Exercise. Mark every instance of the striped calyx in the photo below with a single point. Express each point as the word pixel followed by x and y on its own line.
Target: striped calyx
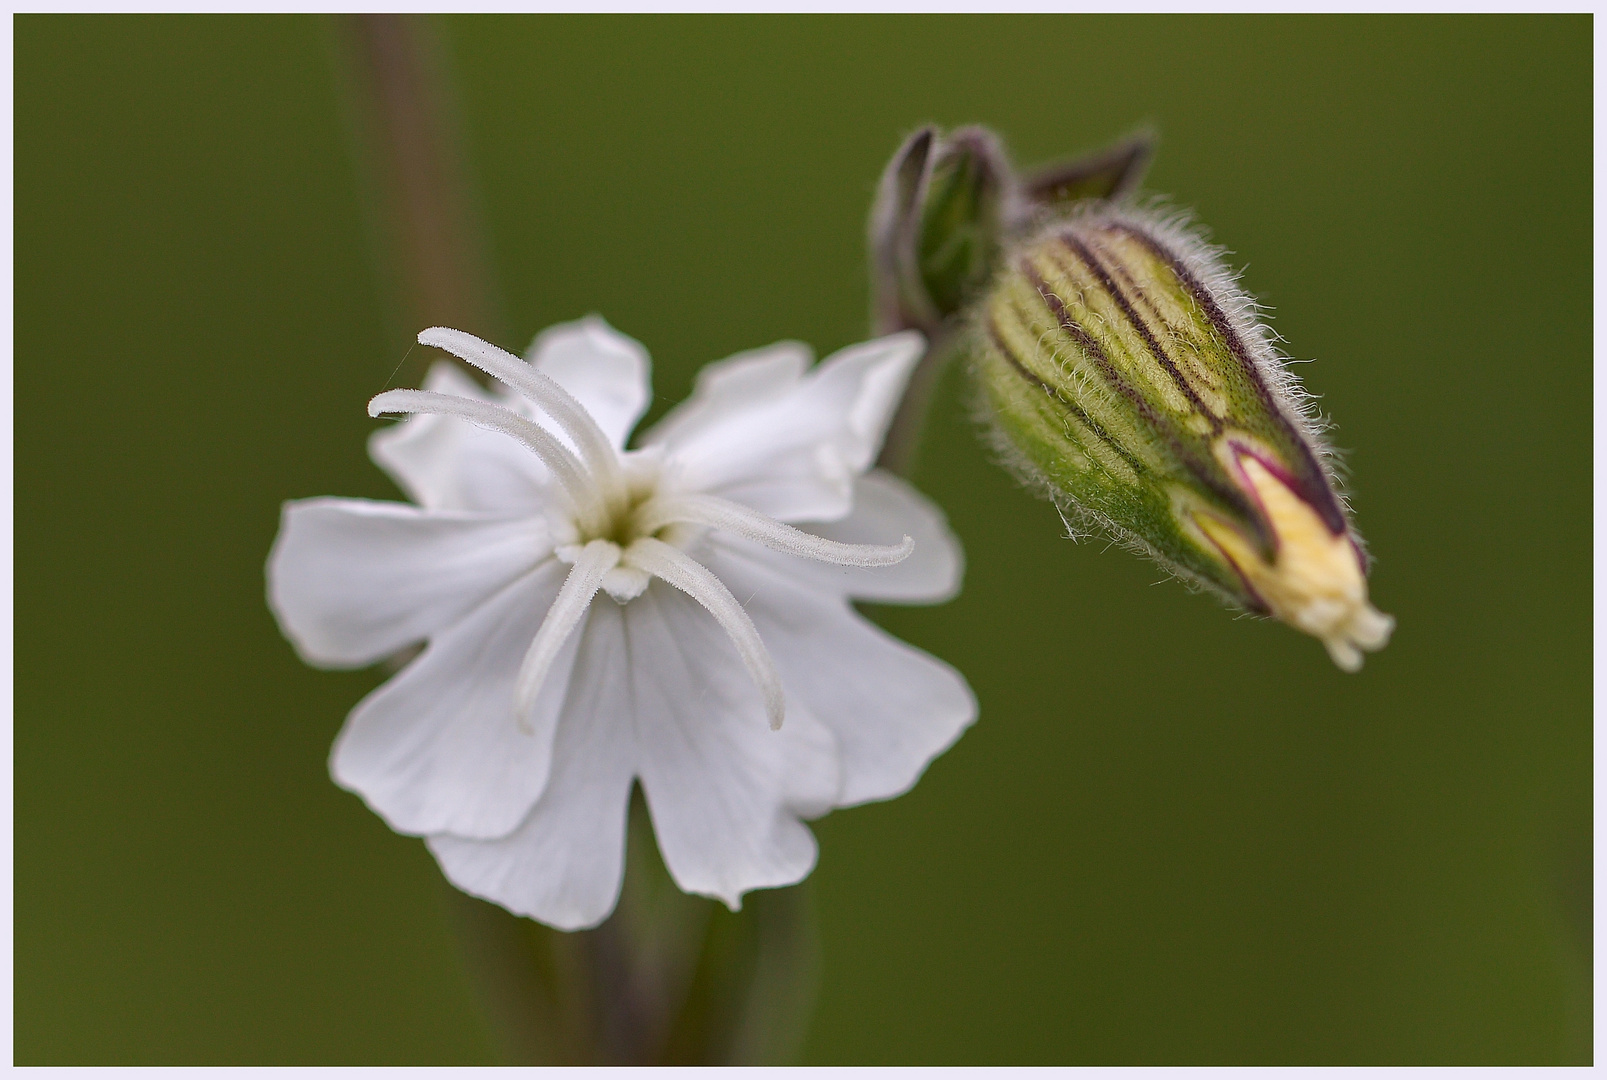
pixel 948 203
pixel 941 212
pixel 1127 376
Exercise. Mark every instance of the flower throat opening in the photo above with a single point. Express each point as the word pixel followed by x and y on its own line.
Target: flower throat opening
pixel 625 531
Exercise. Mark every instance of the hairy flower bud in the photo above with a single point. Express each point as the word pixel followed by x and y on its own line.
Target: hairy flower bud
pixel 940 216
pixel 948 204
pixel 1127 376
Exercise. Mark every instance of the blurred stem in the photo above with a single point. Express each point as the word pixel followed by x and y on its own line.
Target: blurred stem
pixel 426 229
pixel 668 978
pixel 909 421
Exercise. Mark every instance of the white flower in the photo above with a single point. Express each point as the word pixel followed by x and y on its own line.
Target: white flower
pixel 512 742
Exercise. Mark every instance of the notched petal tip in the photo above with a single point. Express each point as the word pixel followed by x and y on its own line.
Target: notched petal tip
pixel 905 345
pixel 1368 630
pixel 1371 628
pixel 1346 657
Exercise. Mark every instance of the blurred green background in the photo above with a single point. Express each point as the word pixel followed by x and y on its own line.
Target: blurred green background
pixel 1172 837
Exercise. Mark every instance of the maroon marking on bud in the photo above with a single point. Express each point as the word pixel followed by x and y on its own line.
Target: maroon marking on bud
pixel 1240 451
pixel 892 234
pixel 1256 604
pixel 1361 556
pixel 1193 462
pixel 1281 474
pixel 1319 496
pixel 1087 343
pixel 1071 406
pixel 1075 245
pixel 1142 326
pixel 1010 358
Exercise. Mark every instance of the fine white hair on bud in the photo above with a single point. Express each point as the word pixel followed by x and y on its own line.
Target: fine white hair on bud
pixel 1125 374
pixel 947 203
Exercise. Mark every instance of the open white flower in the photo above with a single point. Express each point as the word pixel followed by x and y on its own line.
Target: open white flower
pixel 724 668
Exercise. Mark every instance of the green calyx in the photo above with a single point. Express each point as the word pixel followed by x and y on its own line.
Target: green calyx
pixel 949 204
pixel 961 220
pixel 1124 374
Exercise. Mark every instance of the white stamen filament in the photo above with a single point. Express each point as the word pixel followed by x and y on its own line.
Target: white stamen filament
pixel 720 513
pixel 595 560
pixel 595 448
pixel 577 484
pixel 682 571
pixel 594 485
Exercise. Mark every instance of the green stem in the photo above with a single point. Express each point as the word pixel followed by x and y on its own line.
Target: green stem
pixel 899 449
pixel 668 979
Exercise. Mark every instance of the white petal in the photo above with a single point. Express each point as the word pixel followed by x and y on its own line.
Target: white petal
pixel 444 463
pixel 892 707
pixel 563 865
pixel 725 792
pixel 885 508
pixel 606 371
pixel 672 565
pixel 729 386
pixel 794 455
pixel 439 748
pixel 351 581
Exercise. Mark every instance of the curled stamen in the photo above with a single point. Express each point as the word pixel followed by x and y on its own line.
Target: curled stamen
pixel 595 448
pixel 720 513
pixel 571 474
pixel 596 559
pixel 680 570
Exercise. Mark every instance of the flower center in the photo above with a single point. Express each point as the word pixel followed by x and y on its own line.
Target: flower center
pixel 632 518
pixel 615 527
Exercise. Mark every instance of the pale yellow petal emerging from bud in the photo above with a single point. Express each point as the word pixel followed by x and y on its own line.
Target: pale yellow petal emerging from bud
pixel 1315 582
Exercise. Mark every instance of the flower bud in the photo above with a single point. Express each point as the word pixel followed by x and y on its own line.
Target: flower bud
pixel 941 213
pixel 1127 377
pixel 948 204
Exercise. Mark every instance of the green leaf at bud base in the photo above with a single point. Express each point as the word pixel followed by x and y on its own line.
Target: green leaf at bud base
pixel 1113 174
